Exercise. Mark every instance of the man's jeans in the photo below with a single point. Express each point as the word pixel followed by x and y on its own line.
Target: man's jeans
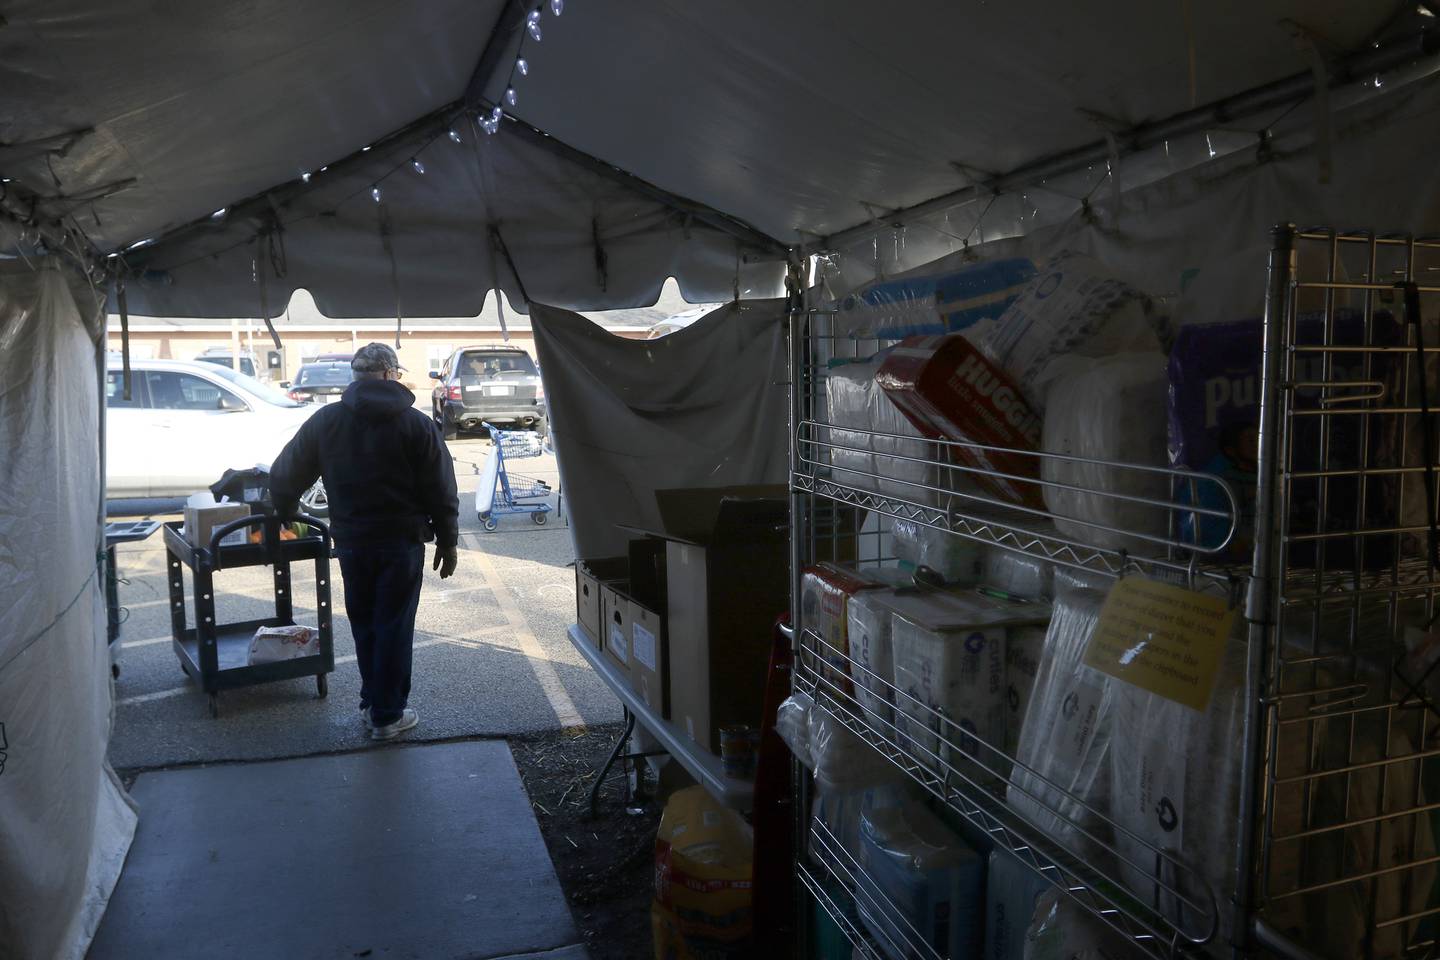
pixel 382 592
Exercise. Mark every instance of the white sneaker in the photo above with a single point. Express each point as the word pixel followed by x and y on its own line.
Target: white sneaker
pixel 365 718
pixel 390 731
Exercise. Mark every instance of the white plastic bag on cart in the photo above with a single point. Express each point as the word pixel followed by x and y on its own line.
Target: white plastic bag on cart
pixel 485 488
pixel 273 644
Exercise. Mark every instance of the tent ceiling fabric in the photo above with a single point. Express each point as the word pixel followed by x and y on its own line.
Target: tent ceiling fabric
pixel 795 116
pixel 799 119
pixel 204 102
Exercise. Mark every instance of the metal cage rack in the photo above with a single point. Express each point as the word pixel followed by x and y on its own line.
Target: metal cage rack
pixel 1334 832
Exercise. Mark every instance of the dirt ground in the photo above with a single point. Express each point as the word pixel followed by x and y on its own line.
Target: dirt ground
pixel 605 864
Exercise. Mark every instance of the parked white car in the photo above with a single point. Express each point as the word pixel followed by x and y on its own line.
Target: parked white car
pixel 186 423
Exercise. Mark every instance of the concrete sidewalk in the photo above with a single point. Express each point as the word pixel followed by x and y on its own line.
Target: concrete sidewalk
pixel 418 851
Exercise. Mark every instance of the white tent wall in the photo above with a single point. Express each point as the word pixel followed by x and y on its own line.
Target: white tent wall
pixel 65 822
pixel 706 406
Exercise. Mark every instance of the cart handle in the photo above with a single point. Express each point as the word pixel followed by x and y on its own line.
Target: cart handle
pixel 271 542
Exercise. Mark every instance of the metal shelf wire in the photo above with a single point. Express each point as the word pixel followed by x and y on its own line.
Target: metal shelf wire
pixel 975 787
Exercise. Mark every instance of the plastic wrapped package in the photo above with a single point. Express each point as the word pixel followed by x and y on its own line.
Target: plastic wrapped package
pixel 1175 787
pixel 1069 579
pixel 1017 574
pixel 1073 306
pixel 1024 646
pixel 956 559
pixel 949 660
pixel 932 303
pixel 1065 736
pixel 856 402
pixel 1060 930
pixel 1012 891
pixel 949 389
pixel 915 866
pixel 825 594
pixel 1108 409
pixel 870 614
pixel 842 760
pixel 839 811
pixel 792 722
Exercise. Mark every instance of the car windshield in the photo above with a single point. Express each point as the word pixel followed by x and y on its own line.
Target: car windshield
pixel 261 391
pixel 506 364
pixel 247 366
pixel 324 375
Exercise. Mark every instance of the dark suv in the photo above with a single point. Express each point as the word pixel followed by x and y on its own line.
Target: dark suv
pixel 499 385
pixel 322 381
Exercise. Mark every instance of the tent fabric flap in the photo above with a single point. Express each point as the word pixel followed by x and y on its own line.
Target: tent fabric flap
pixel 703 407
pixel 65 822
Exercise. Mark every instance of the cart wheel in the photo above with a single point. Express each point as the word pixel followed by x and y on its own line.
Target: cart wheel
pixel 322 686
pixel 539 518
pixel 214 706
pixel 489 523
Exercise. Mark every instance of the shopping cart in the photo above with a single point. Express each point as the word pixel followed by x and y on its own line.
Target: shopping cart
pixel 501 491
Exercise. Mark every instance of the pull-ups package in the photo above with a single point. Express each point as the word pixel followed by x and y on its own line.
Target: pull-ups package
pixel 880 441
pixel 967 297
pixel 929 874
pixel 949 389
pixel 1106 410
pixel 949 656
pixel 1061 778
pixel 1073 306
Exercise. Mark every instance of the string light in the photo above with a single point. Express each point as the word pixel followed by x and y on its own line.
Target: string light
pixel 510 97
pixel 365 149
pixel 454 137
pixel 419 167
pixel 532 24
pixel 557 7
pixel 220 214
pixel 375 193
pixel 305 177
pixel 523 66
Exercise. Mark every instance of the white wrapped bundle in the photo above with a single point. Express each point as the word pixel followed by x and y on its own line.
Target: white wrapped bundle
pixel 1174 784
pixel 956 559
pixel 858 403
pixel 1017 574
pixel 869 620
pixel 1024 646
pixel 1065 737
pixel 1108 409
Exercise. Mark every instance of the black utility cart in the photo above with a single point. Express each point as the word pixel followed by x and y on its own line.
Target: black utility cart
pixel 217 654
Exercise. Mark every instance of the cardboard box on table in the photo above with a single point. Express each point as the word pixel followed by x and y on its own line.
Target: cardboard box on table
pixel 649 639
pixel 726 580
pixel 590 577
pixel 615 622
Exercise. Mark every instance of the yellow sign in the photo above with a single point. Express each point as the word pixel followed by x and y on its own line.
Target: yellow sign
pixel 1161 638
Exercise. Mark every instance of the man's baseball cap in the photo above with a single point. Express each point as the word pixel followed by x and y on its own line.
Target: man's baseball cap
pixel 375 358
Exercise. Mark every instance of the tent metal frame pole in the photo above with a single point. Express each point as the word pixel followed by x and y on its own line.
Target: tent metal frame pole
pixel 1293 89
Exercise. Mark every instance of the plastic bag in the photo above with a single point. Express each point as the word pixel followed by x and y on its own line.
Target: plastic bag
pixel 1059 930
pixel 843 761
pixel 272 644
pixel 792 722
pixel 1108 409
pixel 1017 574
pixel 703 867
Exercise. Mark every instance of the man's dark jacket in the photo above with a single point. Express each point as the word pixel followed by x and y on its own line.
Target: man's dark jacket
pixel 387 472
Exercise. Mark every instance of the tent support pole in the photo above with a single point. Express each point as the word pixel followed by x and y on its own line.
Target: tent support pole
pixel 1293 89
pixel 124 335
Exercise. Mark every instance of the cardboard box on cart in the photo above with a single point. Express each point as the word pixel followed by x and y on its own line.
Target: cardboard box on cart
pixel 726 580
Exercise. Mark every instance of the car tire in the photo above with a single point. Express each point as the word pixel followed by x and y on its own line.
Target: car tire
pixel 448 428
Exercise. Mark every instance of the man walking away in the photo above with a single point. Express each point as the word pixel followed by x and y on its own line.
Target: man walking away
pixel 391 486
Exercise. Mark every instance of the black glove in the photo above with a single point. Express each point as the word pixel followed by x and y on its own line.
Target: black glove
pixel 445 560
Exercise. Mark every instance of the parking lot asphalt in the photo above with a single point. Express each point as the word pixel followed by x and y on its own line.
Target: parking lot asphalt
pixel 491 655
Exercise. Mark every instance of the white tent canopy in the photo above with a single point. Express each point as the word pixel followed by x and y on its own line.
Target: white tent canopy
pixel 649 138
